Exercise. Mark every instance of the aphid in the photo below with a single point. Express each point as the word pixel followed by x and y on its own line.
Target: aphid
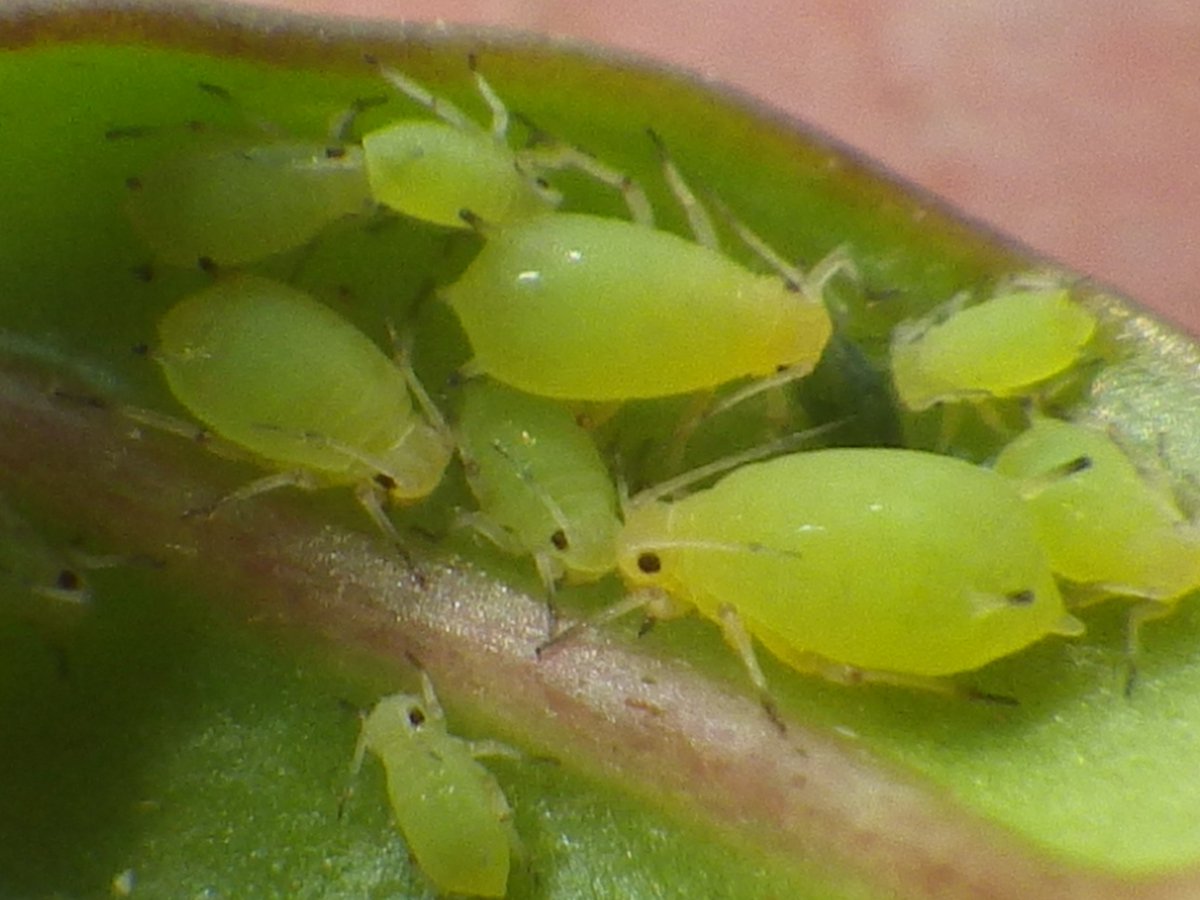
pixel 1006 346
pixel 857 564
pixel 234 204
pixel 269 368
pixel 432 170
pixel 581 307
pixel 542 486
pixel 452 812
pixel 1103 523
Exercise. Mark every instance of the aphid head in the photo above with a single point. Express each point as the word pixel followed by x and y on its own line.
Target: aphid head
pixel 643 546
pixel 397 718
pixel 585 548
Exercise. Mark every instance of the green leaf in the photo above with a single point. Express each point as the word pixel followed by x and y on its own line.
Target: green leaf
pixel 194 725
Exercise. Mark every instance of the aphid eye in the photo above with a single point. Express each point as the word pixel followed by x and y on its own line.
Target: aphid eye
pixel 335 152
pixel 649 563
pixel 387 482
pixel 1021 598
pixel 559 540
pixel 68 580
pixel 416 716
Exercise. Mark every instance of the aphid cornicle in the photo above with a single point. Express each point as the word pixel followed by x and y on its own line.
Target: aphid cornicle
pixel 273 370
pixel 1103 523
pixel 453 814
pixel 1003 347
pixel 234 204
pixel 542 486
pixel 892 565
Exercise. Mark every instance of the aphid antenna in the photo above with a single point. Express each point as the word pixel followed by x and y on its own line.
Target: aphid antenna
pixel 341 128
pixel 492 99
pixel 777 447
pixel 698 218
pixel 630 604
pixel 402 355
pixel 438 106
pixel 527 478
pixel 725 547
pixel 756 387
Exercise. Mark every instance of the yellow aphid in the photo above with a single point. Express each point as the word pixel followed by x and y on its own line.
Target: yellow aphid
pixel 542 486
pixel 271 369
pixel 236 204
pixel 895 565
pixel 581 307
pixel 1003 347
pixel 434 169
pixel 1104 525
pixel 453 814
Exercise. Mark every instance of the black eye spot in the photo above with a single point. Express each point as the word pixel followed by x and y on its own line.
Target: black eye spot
pixel 649 563
pixel 559 540
pixel 335 152
pixel 387 482
pixel 1077 465
pixel 68 580
pixel 416 716
pixel 1021 598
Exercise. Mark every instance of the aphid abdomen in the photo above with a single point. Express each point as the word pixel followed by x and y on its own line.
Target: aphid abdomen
pixel 1102 522
pixel 274 370
pixel 588 308
pixel 888 560
pixel 432 171
pixel 234 204
pixel 445 803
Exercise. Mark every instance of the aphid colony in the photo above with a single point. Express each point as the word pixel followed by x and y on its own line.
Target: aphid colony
pixel 567 313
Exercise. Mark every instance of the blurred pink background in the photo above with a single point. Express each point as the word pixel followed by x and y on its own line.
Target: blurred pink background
pixel 1070 124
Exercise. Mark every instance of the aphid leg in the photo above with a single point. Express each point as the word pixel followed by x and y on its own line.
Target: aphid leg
pixel 438 106
pixel 1146 611
pixel 300 478
pixel 735 634
pixel 549 572
pixel 370 496
pixel 557 155
pixel 186 430
pixel 356 761
pixel 698 218
pixel 853 676
pixel 952 420
pixel 483 749
pixel 433 706
pixel 638 600
pixel 698 409
pixel 492 99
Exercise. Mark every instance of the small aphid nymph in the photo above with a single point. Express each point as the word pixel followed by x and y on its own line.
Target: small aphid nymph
pixel 271 369
pixel 542 486
pixel 1106 526
pixel 434 169
pixel 1006 346
pixel 453 814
